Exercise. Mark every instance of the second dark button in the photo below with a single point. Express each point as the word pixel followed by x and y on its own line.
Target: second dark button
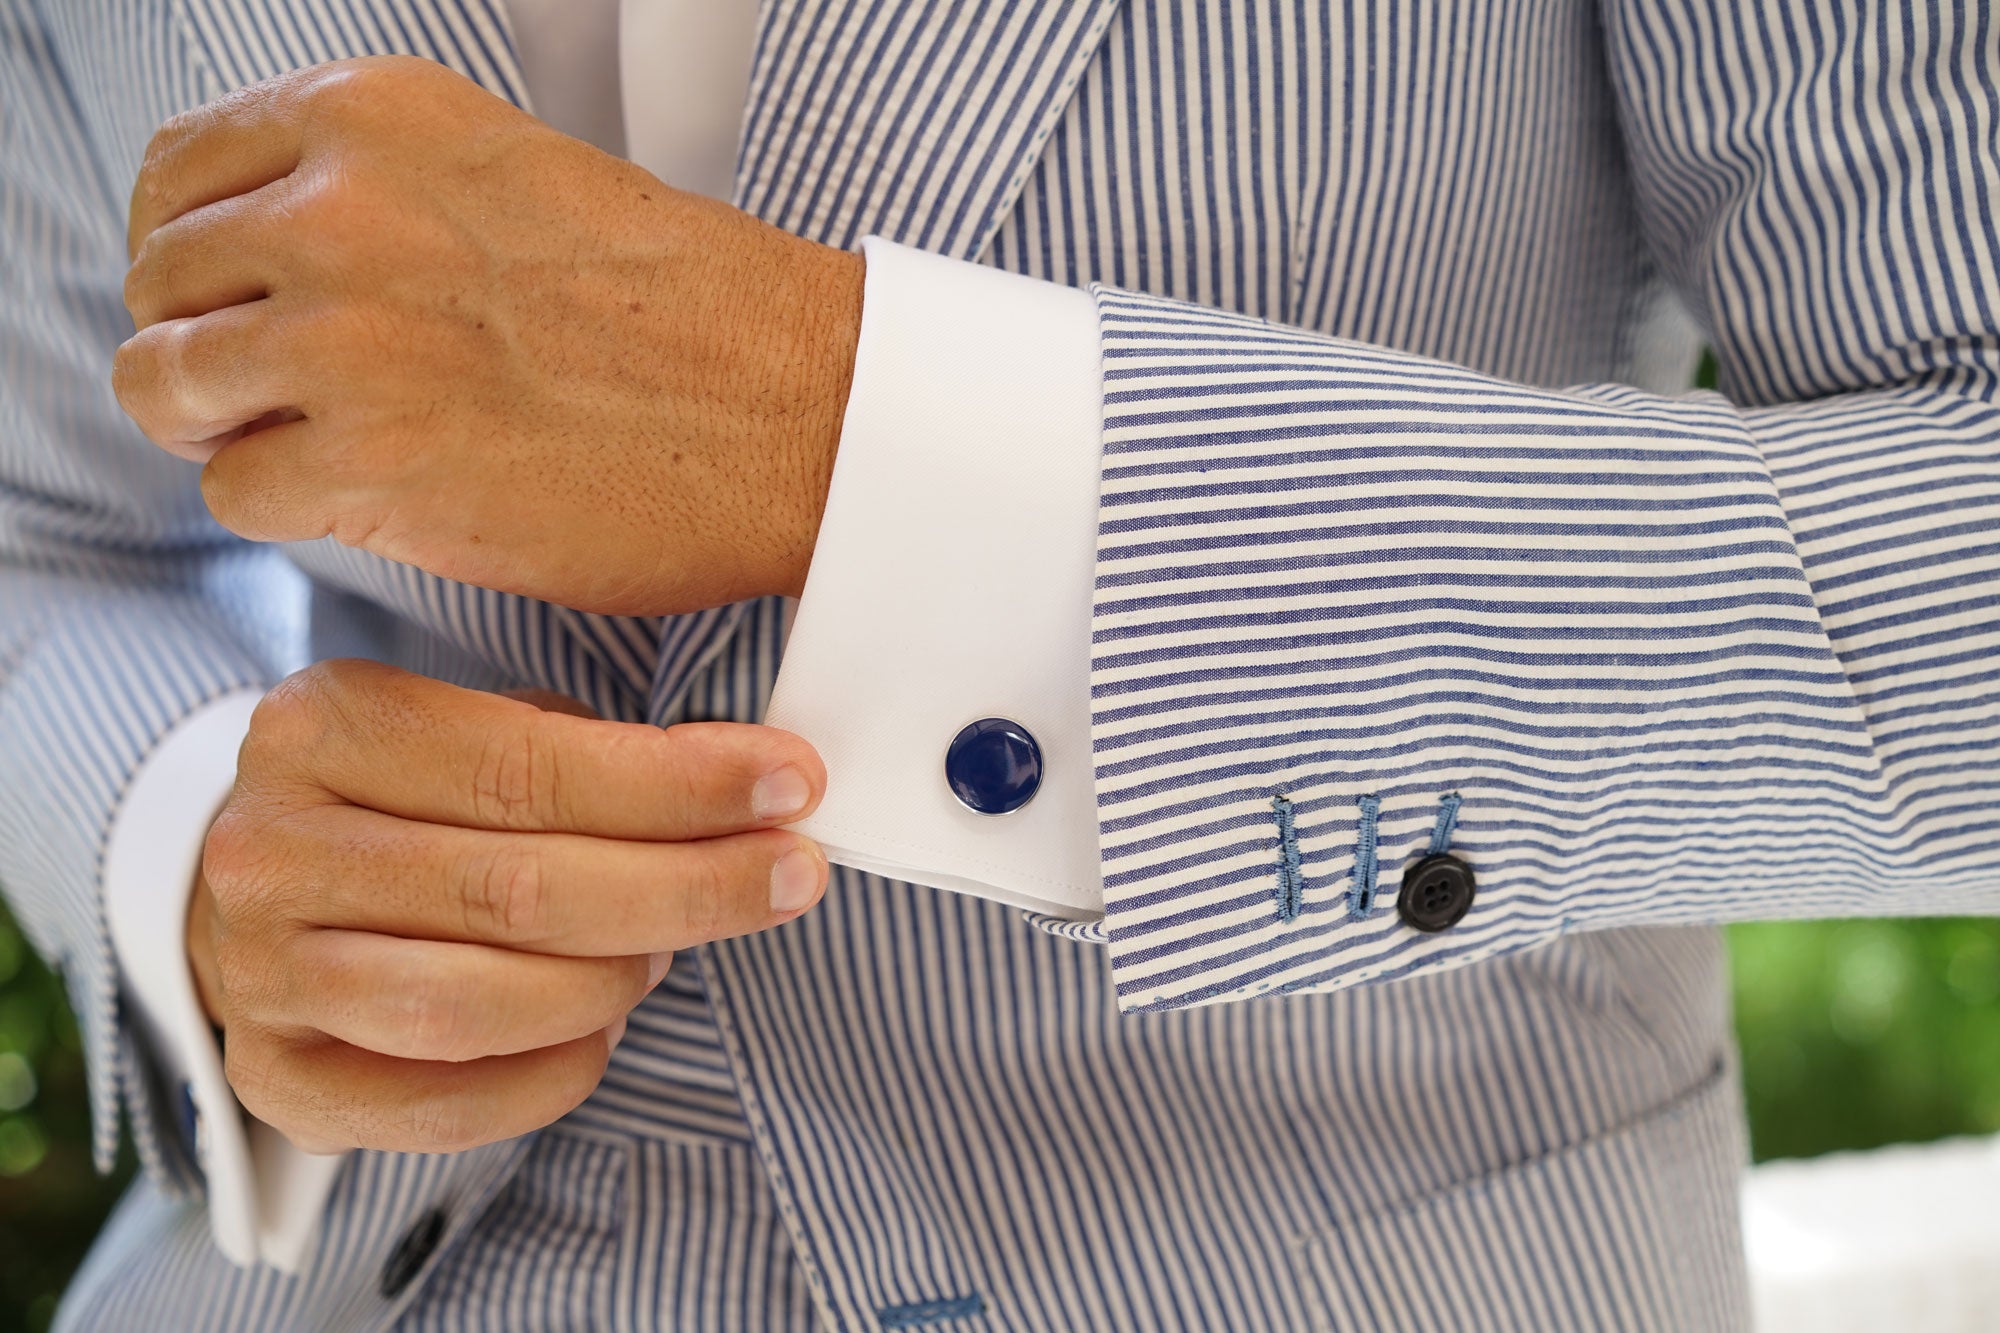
pixel 1437 892
pixel 411 1253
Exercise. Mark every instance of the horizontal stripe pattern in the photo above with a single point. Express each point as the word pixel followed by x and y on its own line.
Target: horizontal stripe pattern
pixel 1335 656
pixel 1686 660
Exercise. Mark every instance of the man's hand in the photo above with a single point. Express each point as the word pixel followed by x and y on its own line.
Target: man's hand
pixel 387 307
pixel 427 910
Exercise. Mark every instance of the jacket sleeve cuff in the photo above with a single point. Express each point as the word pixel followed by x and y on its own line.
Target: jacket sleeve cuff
pixel 262 1203
pixel 1359 611
pixel 952 582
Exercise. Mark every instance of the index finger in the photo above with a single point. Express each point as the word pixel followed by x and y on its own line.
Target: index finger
pixel 242 141
pixel 421 749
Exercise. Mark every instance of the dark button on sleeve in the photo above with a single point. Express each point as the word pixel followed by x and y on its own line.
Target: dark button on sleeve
pixel 411 1253
pixel 1437 891
pixel 993 766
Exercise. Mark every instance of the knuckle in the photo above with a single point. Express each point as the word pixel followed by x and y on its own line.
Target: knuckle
pixel 187 359
pixel 142 280
pixel 503 894
pixel 252 984
pixel 343 89
pixel 435 1014
pixel 335 87
pixel 134 370
pixel 446 1123
pixel 336 679
pixel 154 186
pixel 706 894
pixel 289 722
pixel 515 783
pixel 249 1068
pixel 160 373
pixel 310 715
pixel 229 855
pixel 251 1064
pixel 327 210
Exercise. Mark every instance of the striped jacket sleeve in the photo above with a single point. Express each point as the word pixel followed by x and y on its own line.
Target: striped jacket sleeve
pixel 123 607
pixel 1636 660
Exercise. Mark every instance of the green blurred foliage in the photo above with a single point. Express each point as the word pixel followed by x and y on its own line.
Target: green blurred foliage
pixel 1854 1034
pixel 51 1198
pixel 1859 1033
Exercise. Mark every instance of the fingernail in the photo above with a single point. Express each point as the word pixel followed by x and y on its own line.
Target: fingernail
pixel 794 880
pixel 661 962
pixel 617 1031
pixel 779 795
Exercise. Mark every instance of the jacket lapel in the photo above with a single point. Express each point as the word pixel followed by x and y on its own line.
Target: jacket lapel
pixel 917 120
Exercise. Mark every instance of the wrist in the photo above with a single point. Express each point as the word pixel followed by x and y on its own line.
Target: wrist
pixel 829 315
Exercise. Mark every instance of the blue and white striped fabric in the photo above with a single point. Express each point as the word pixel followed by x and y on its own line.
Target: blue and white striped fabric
pixel 1678 659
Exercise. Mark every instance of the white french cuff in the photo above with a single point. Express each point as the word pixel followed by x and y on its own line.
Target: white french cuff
pixel 952 582
pixel 264 1196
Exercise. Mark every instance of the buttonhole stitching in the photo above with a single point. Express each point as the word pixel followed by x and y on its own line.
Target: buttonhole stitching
pixel 1361 898
pixel 1447 821
pixel 1291 880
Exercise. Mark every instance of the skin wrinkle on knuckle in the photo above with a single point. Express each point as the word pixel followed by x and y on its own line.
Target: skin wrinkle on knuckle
pixel 706 897
pixel 260 1088
pixel 197 361
pixel 330 209
pixel 277 1083
pixel 290 724
pixel 189 363
pixel 128 372
pixel 446 1120
pixel 431 1012
pixel 229 857
pixel 153 191
pixel 254 975
pixel 689 779
pixel 142 283
pixel 342 702
pixel 502 892
pixel 349 96
pixel 140 381
pixel 516 783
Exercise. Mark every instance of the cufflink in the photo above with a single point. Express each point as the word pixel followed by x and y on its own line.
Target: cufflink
pixel 993 766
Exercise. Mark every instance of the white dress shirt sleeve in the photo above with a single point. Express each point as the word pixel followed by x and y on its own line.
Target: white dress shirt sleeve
pixel 264 1196
pixel 952 582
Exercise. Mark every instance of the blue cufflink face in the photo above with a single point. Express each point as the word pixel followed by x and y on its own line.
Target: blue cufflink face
pixel 993 766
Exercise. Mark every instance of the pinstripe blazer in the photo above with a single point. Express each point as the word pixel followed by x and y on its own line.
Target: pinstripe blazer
pixel 1646 661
